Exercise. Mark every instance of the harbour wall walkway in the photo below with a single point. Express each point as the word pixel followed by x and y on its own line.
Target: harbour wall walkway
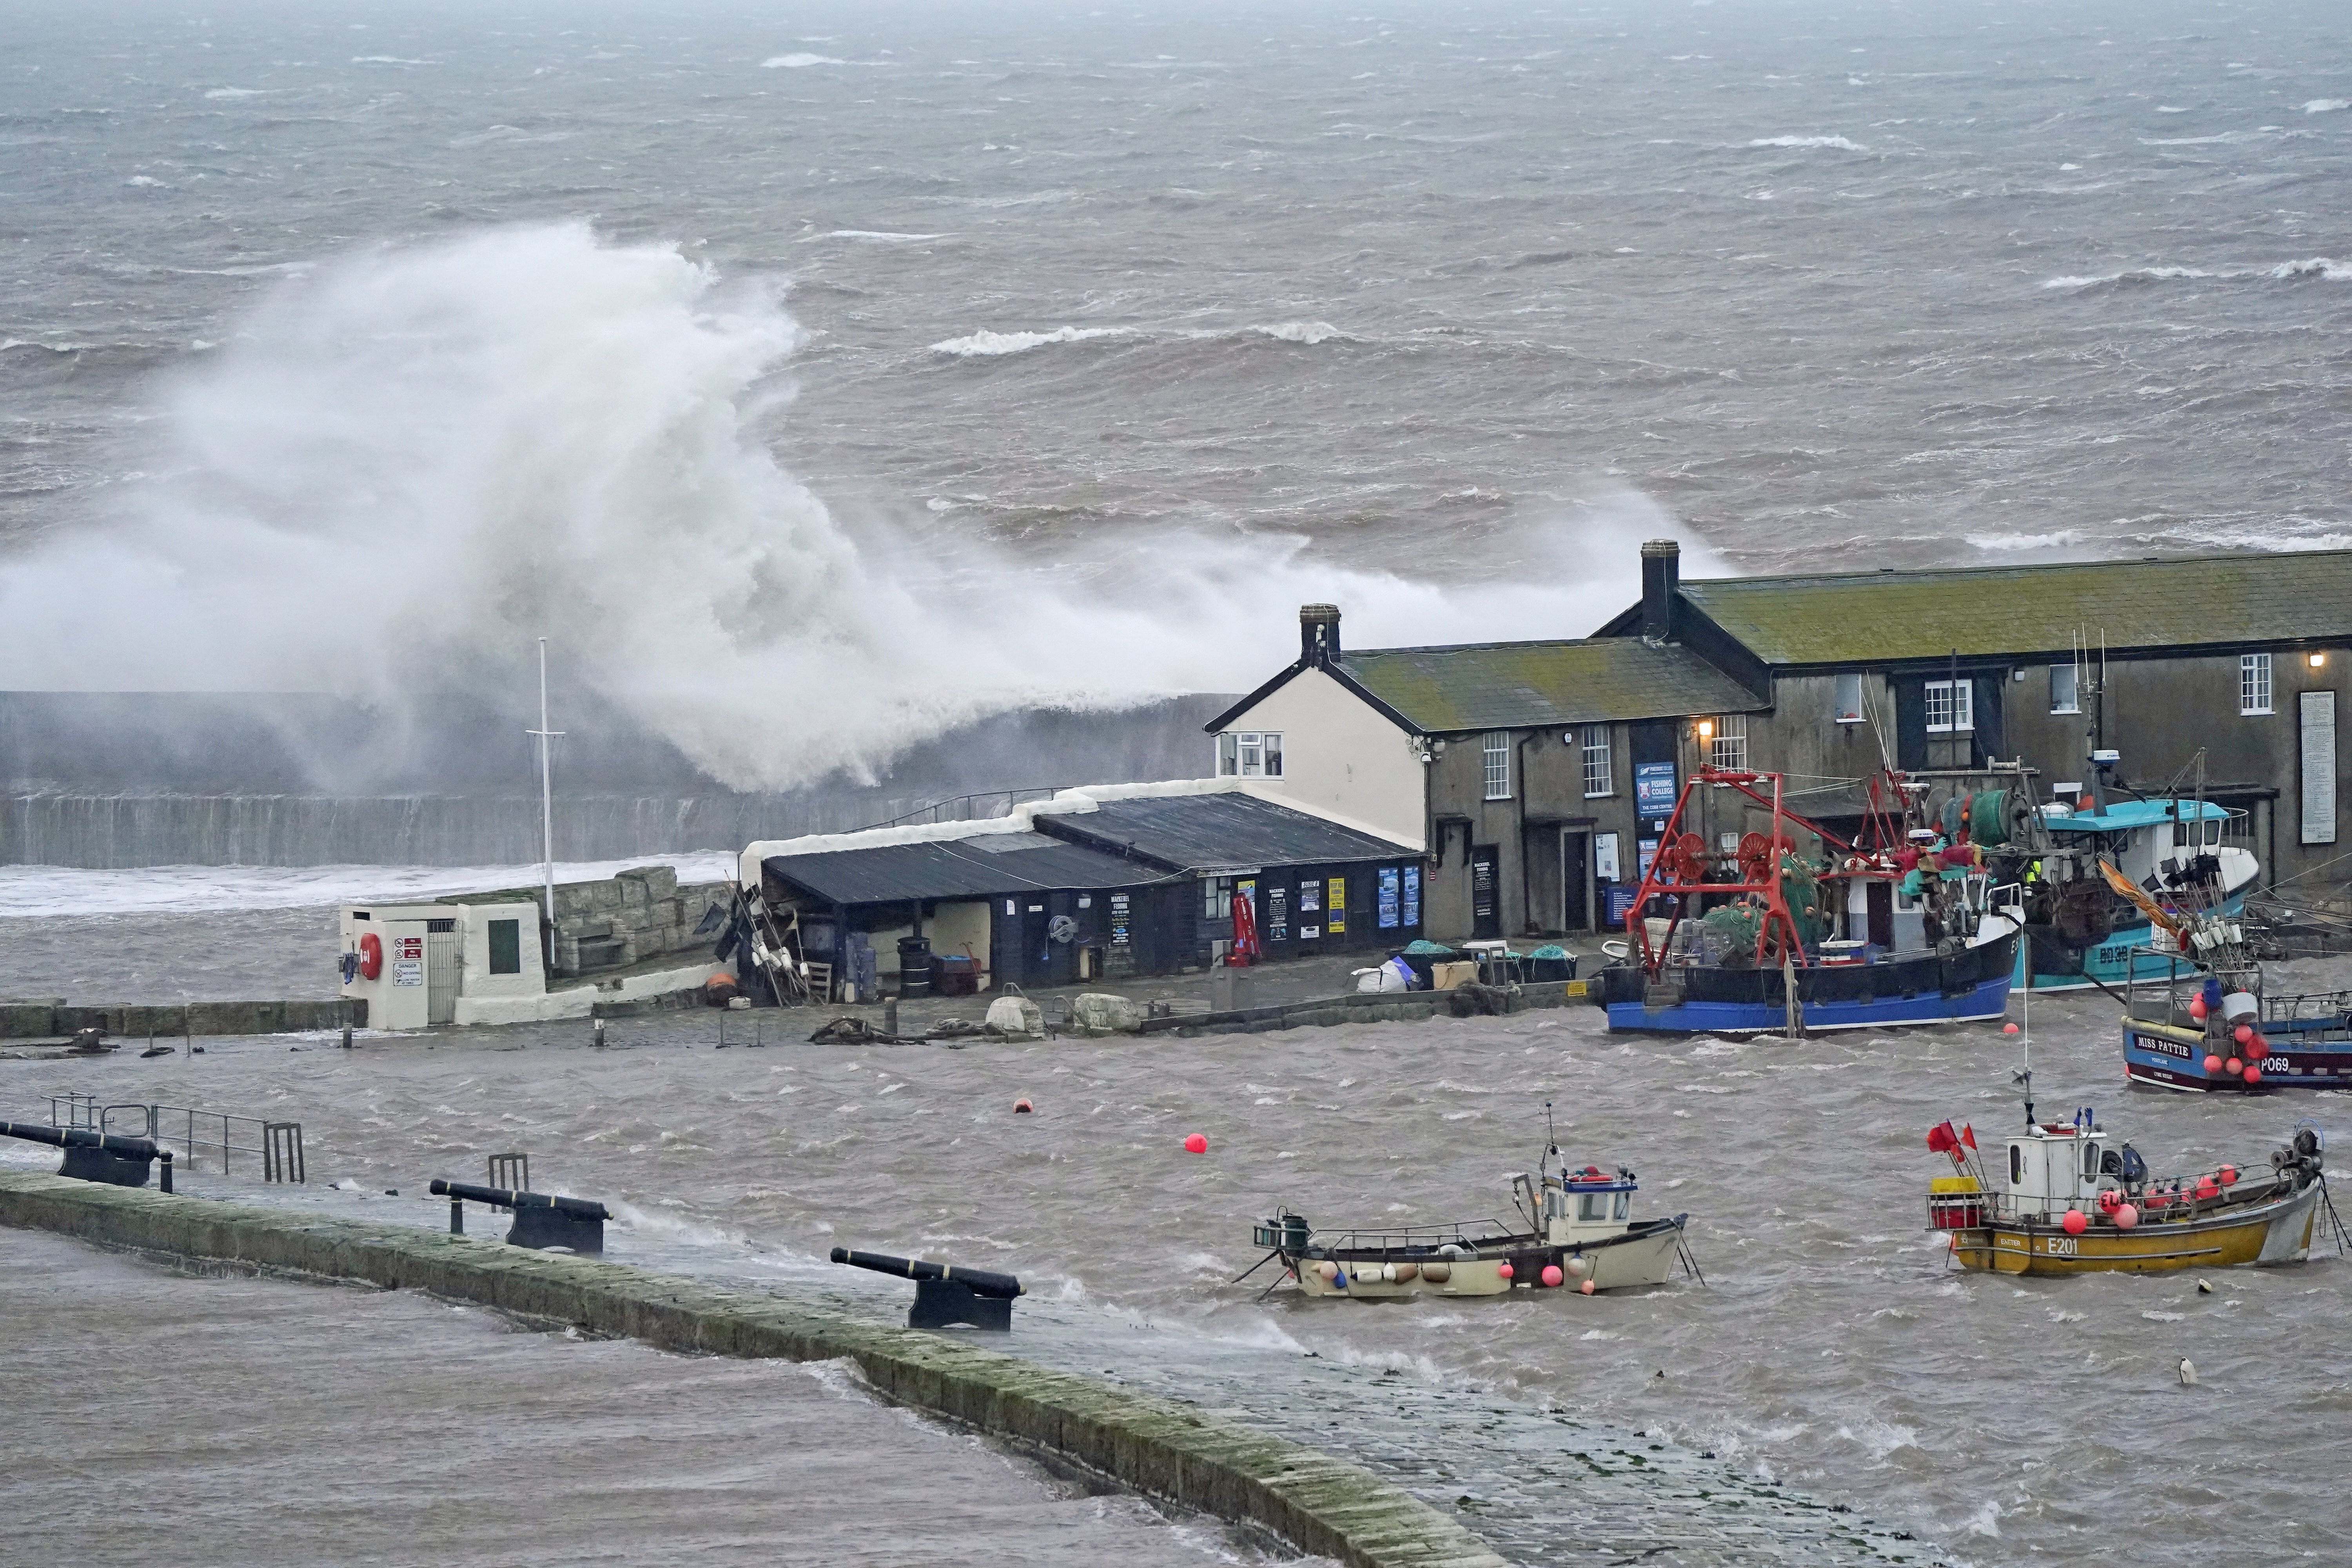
pixel 1302 1497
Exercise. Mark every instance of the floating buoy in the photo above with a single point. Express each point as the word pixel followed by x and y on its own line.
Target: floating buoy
pixel 2008 1029
pixel 2234 1067
pixel 2204 1286
pixel 1197 1144
pixel 1328 1269
pixel 2243 1034
pixel 1022 1108
pixel 1504 1269
pixel 2187 1372
pixel 1587 1288
pixel 2075 1223
pixel 1552 1276
pixel 2253 1073
pixel 1578 1267
pixel 2213 1063
pixel 2126 1217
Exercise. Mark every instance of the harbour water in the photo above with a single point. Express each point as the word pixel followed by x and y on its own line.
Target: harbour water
pixel 1832 1349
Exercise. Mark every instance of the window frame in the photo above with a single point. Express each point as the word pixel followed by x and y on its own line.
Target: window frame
pixel 1270 748
pixel 1726 749
pixel 2257 686
pixel 1960 702
pixel 1228 764
pixel 1495 760
pixel 2073 699
pixel 1839 711
pixel 1606 753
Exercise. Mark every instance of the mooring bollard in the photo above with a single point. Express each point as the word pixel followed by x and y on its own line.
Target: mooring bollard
pixel 890 1016
pixel 576 1225
pixel 94 1156
pixel 347 1037
pixel 599 1033
pixel 946 1297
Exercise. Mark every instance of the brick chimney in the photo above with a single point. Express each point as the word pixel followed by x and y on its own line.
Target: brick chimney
pixel 1318 633
pixel 1662 575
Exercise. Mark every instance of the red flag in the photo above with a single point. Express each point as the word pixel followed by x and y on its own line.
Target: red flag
pixel 1968 1135
pixel 1941 1139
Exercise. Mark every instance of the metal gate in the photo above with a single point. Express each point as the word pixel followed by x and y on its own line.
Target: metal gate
pixel 441 958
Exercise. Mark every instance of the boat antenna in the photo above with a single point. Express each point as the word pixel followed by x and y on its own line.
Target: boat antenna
pixel 1551 1134
pixel 2024 1077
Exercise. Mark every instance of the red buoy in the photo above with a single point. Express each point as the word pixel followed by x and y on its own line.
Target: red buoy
pixel 1504 1269
pixel 2075 1223
pixel 1552 1276
pixel 1196 1144
pixel 2228 1175
pixel 2206 1189
pixel 2213 1063
pixel 2234 1067
pixel 2126 1217
pixel 2253 1074
pixel 1587 1286
pixel 2008 1029
pixel 1022 1108
pixel 2243 1034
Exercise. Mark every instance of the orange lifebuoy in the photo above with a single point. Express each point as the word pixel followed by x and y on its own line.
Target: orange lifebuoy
pixel 371 956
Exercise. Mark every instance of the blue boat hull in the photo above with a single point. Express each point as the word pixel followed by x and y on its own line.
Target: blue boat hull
pixel 1922 989
pixel 2305 1053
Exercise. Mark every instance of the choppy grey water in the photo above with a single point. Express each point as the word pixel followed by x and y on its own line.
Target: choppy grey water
pixel 1834 1349
pixel 1937 282
pixel 193 1419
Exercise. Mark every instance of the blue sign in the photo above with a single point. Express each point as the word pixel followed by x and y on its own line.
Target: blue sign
pixel 1387 899
pixel 1653 789
pixel 1412 912
pixel 1620 904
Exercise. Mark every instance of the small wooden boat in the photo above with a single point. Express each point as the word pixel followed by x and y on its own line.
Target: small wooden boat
pixel 2074 1204
pixel 1578 1232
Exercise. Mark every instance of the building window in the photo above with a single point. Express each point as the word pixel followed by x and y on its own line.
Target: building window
pixel 1849 699
pixel 2254 683
pixel 1249 754
pixel 2065 688
pixel 1728 749
pixel 505 947
pixel 1216 898
pixel 1951 707
pixel 1599 775
pixel 1497 756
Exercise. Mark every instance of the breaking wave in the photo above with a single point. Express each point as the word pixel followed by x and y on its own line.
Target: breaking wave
pixel 2318 267
pixel 986 344
pixel 409 464
pixel 797 61
pixel 1839 142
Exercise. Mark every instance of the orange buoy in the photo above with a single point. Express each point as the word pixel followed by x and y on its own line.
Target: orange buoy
pixel 2075 1223
pixel 2243 1034
pixel 2227 1175
pixel 1552 1276
pixel 2126 1217
pixel 1586 1288
pixel 1196 1144
pixel 1504 1269
pixel 2253 1073
pixel 2213 1063
pixel 2234 1067
pixel 1022 1108
pixel 2008 1029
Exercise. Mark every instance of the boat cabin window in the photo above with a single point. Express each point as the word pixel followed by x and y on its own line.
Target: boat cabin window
pixel 2016 1165
pixel 1624 1205
pixel 1592 1206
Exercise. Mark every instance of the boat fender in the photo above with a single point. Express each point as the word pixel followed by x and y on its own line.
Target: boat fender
pixel 1587 1288
pixel 2212 1062
pixel 1327 1269
pixel 2126 1216
pixel 1578 1266
pixel 1405 1273
pixel 1449 1251
pixel 1388 1274
pixel 2254 1075
pixel 1503 1271
pixel 1437 1273
pixel 2075 1223
pixel 1552 1276
pixel 1340 1280
pixel 371 956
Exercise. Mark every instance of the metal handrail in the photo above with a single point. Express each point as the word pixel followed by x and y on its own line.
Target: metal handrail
pixel 929 812
pixel 1454 1232
pixel 192 1135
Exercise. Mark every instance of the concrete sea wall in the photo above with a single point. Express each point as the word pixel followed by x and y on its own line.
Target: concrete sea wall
pixel 1306 1500
pixel 39 1020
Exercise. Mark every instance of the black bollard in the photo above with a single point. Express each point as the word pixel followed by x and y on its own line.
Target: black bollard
pixel 599 1040
pixel 164 1179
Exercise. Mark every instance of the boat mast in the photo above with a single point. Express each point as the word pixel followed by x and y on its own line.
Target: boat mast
pixel 546 798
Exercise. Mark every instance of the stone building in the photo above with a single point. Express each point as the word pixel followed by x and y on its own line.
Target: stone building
pixel 1534 775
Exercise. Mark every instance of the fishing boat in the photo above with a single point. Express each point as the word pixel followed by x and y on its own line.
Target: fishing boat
pixel 1576 1231
pixel 2207 1025
pixel 2056 883
pixel 2075 1203
pixel 1789 926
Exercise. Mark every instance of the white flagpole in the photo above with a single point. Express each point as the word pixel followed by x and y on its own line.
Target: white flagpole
pixel 546 793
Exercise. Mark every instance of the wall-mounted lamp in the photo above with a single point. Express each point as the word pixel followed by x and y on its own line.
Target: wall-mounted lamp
pixel 2318 661
pixel 1707 729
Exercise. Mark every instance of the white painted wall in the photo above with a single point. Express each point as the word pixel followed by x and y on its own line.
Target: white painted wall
pixel 392 1006
pixel 1342 758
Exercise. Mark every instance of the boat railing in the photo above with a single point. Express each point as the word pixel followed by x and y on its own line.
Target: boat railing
pixel 1410 1238
pixel 2336 1005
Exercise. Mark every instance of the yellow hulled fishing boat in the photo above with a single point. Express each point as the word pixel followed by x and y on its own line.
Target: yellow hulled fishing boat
pixel 2074 1203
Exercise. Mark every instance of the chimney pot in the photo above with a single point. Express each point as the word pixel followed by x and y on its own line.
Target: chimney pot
pixel 1319 633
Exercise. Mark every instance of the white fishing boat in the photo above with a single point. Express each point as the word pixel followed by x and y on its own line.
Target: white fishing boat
pixel 1576 1232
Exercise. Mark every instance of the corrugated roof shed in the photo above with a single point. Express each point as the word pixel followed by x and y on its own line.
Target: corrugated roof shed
pixel 978 866
pixel 1885 616
pixel 1207 831
pixel 1501 686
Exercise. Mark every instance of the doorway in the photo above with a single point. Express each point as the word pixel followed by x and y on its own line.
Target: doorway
pixel 1485 909
pixel 1576 881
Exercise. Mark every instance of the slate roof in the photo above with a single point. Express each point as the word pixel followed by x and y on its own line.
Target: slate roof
pixel 981 866
pixel 1519 685
pixel 1194 832
pixel 1891 616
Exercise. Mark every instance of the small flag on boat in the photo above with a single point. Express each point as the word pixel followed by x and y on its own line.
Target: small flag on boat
pixel 1941 1139
pixel 1968 1135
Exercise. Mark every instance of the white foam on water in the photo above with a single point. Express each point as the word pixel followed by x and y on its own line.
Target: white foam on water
pixel 388 60
pixel 2326 105
pixel 236 92
pixel 798 61
pixel 1839 142
pixel 40 890
pixel 882 236
pixel 1303 332
pixel 2064 536
pixel 986 344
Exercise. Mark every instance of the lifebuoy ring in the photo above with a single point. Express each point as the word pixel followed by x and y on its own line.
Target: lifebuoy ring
pixel 371 956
